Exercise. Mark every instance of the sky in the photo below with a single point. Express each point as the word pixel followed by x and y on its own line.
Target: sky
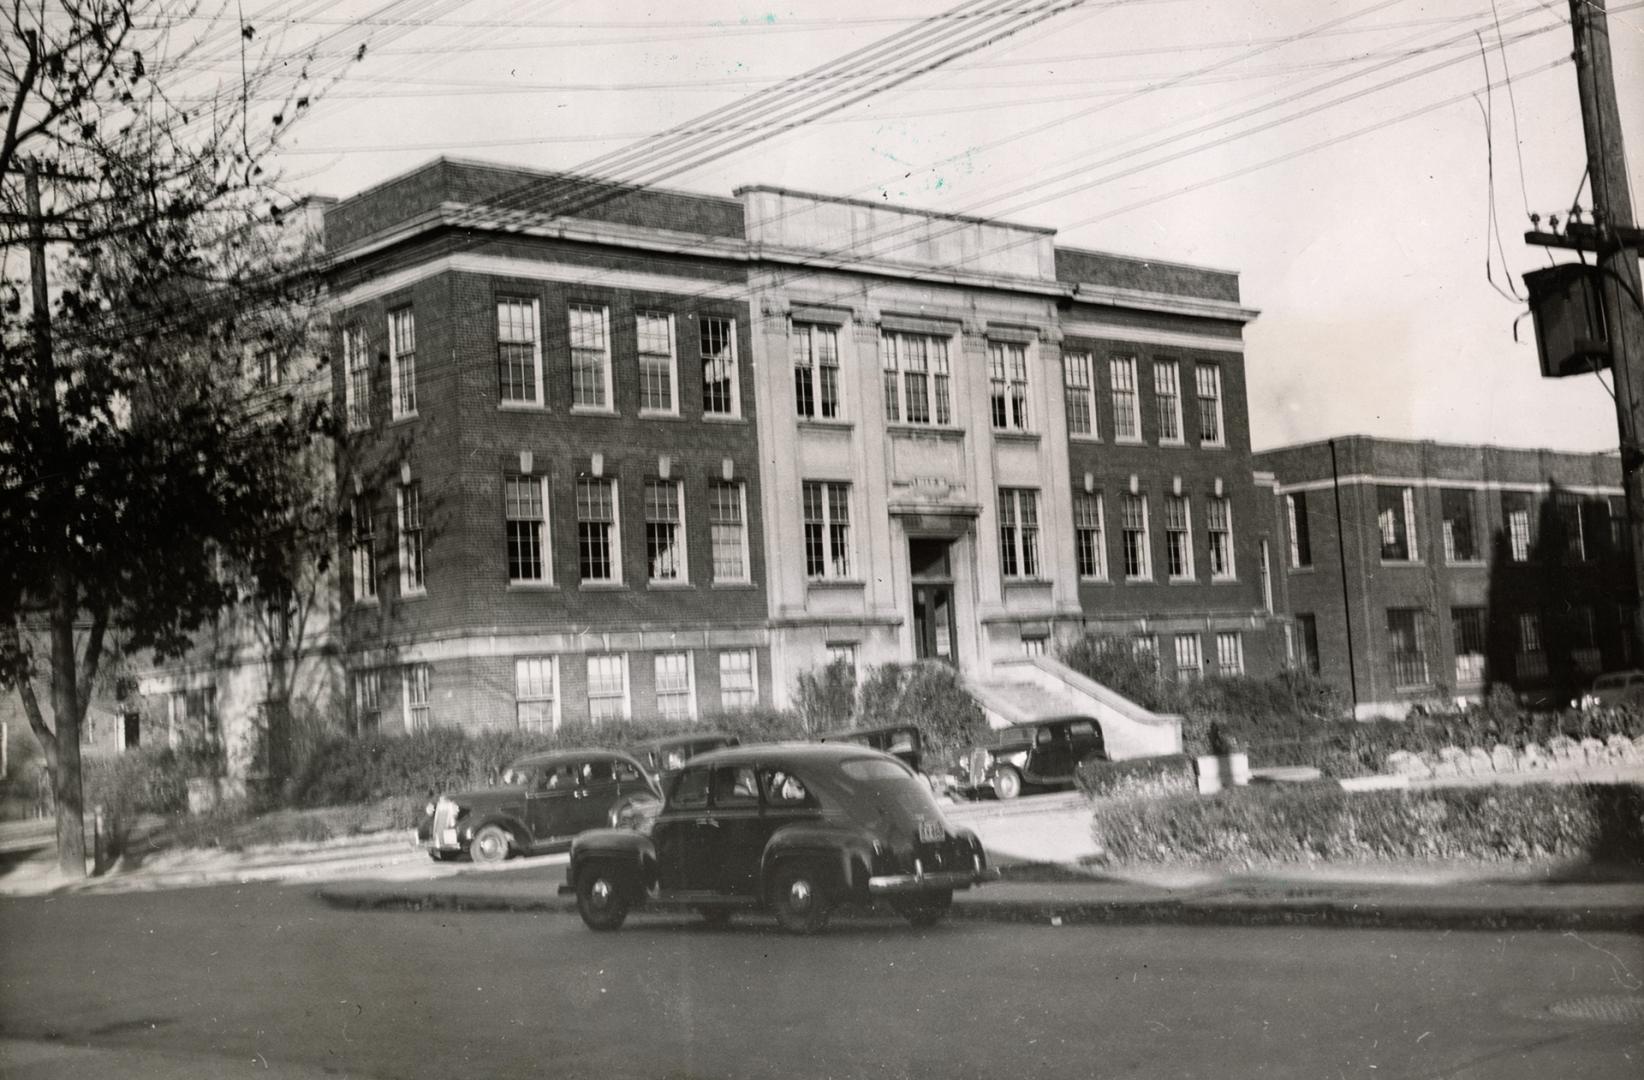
pixel 1349 159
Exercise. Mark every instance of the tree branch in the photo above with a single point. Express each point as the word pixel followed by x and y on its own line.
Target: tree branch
pixel 93 658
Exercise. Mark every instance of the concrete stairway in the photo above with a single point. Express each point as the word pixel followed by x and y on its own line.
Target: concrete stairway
pixel 1023 689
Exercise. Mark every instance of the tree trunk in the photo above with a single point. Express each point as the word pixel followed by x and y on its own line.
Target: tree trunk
pixel 65 703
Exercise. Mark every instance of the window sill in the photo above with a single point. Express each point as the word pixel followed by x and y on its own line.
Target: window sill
pixel 1212 446
pixel 1224 579
pixel 1015 436
pixel 1140 579
pixel 733 585
pixel 1172 444
pixel 405 418
pixel 420 594
pixel 1129 440
pixel 1308 569
pixel 1027 582
pixel 601 586
pixel 521 406
pixel 721 418
pixel 1188 579
pixel 367 601
pixel 834 583
pixel 660 414
pixel 1402 562
pixel 533 586
pixel 592 410
pixel 1095 581
pixel 669 586
pixel 940 431
pixel 822 424
pixel 1472 564
pixel 1074 436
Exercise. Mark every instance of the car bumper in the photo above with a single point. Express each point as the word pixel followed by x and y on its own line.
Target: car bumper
pixel 891 884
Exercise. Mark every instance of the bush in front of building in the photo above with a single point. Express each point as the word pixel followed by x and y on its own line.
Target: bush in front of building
pixel 1120 666
pixel 1599 823
pixel 1138 778
pixel 931 696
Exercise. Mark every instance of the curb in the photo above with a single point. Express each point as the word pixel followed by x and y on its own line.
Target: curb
pixel 1343 914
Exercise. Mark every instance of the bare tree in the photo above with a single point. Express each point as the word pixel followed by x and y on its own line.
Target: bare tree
pixel 133 467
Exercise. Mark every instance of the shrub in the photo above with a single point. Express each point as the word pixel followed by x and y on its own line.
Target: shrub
pixel 1597 822
pixel 928 695
pixel 152 780
pixel 826 697
pixel 1119 666
pixel 1138 778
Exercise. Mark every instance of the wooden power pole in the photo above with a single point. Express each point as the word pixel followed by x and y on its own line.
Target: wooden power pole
pixel 1614 240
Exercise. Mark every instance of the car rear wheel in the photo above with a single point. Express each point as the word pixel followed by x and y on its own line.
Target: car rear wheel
pixel 800 899
pixel 926 909
pixel 1007 782
pixel 490 845
pixel 602 898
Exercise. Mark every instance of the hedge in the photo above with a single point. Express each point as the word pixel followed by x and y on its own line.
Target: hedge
pixel 1524 822
pixel 1138 778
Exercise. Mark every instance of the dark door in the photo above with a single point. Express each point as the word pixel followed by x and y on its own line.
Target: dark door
pixel 735 845
pixel 933 616
pixel 549 803
pixel 594 796
pixel 680 832
pixel 1052 756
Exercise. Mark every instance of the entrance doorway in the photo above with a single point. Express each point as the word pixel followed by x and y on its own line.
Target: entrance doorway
pixel 934 628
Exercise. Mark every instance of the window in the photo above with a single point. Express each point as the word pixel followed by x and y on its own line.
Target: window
pixel 1531 662
pixel 608 687
pixel 1568 505
pixel 1019 532
pixel 738 681
pixel 1189 660
pixel 1207 379
pixel 815 371
pixel 411 539
pixel 1267 578
pixel 1089 539
pixel 1467 628
pixel 402 364
pixel 414 679
pixel 728 531
pixel 367 701
pixel 675 691
pixel 1460 537
pixel 1007 379
pixel 526 513
pixel 590 358
pixel 1138 564
pixel 597 542
pixel 1617 505
pixel 519 353
pixel 1301 531
pixel 657 367
pixel 721 394
pixel 1034 646
pixel 1218 517
pixel 1167 395
pixel 1584 651
pixel 916 379
pixel 1146 645
pixel 735 785
pixel 536 697
pixel 190 714
pixel 664 530
pixel 827 530
pixel 1396 519
pixel 1178 537
pixel 363 551
pixel 1079 387
pixel 1127 407
pixel 1229 653
pixel 843 652
pixel 1407 647
pixel 1516 509
pixel 357 386
pixel 1307 643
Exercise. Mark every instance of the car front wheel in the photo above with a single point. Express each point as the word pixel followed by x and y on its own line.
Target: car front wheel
pixel 490 845
pixel 926 909
pixel 799 899
pixel 602 899
pixel 1007 783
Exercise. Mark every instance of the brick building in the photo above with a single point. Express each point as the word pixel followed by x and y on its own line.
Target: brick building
pixel 659 454
pixel 1421 570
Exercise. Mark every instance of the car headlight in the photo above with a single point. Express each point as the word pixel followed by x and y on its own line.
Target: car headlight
pixel 430 808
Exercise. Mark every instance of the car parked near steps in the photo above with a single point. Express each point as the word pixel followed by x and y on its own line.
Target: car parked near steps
pixel 1041 755
pixel 542 802
pixel 797 829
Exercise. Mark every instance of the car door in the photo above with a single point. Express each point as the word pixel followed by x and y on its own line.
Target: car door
pixel 550 803
pixel 1086 736
pixel 597 790
pixel 680 830
pixel 734 846
pixel 1052 757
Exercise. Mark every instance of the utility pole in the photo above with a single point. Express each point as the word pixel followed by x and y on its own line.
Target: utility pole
pixel 1615 241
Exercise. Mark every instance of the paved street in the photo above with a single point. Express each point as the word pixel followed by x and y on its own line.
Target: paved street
pixel 263 980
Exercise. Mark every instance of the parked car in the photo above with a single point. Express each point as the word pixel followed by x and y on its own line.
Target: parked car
pixel 1615 689
pixel 665 757
pixel 902 741
pixel 542 802
pixel 1041 755
pixel 794 828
